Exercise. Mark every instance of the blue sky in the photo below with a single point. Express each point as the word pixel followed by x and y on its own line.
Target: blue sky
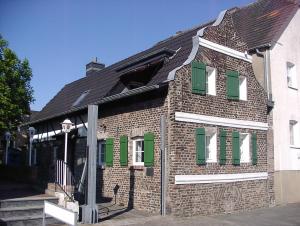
pixel 59 37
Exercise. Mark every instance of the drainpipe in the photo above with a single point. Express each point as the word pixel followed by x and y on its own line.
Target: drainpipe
pixel 163 160
pixel 267 77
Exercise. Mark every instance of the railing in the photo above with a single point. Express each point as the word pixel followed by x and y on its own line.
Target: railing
pixel 64 178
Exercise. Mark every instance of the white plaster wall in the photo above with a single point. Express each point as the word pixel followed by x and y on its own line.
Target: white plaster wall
pixel 287 100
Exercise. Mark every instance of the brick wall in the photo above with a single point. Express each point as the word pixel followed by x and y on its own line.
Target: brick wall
pixel 132 118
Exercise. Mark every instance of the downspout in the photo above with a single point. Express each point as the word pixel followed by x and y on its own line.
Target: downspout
pixel 163 159
pixel 268 74
pixel 267 78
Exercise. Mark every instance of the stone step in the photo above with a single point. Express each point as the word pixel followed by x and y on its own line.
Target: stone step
pixel 34 220
pixel 21 211
pixel 27 201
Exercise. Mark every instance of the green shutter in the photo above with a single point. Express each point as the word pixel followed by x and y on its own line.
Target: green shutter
pixel 109 149
pixel 223 147
pixel 235 148
pixel 149 149
pixel 233 85
pixel 123 151
pixel 254 148
pixel 200 146
pixel 198 78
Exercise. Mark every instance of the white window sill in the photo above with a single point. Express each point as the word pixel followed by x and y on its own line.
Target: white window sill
pixel 293 88
pixel 211 94
pixel 138 164
pixel 294 147
pixel 245 162
pixel 211 161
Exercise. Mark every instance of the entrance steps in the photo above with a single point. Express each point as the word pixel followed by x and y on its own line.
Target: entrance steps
pixel 23 206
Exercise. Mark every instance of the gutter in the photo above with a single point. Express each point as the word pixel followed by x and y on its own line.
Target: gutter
pixel 104 100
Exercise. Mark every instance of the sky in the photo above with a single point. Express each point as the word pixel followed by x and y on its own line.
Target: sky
pixel 59 37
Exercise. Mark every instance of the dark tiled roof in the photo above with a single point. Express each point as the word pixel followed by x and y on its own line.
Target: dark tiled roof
pixel 261 23
pixel 100 83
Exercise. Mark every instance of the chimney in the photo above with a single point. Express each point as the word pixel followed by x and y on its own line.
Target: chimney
pixel 94 66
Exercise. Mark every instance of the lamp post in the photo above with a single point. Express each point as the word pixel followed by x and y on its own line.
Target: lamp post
pixel 66 128
pixel 31 132
pixel 7 136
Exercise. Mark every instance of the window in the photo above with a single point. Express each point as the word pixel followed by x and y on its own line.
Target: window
pixel 80 98
pixel 210 80
pixel 243 87
pixel 138 151
pixel 211 147
pixel 294 132
pixel 206 145
pixel 101 153
pixel 244 148
pixel 291 75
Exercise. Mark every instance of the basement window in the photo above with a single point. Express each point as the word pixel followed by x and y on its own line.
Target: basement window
pixel 80 98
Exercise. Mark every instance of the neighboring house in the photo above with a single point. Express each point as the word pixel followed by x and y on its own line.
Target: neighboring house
pixel 211 156
pixel 272 34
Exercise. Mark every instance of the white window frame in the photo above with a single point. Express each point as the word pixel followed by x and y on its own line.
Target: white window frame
pixel 211 150
pixel 291 75
pixel 294 133
pixel 244 147
pixel 243 87
pixel 101 152
pixel 211 74
pixel 134 147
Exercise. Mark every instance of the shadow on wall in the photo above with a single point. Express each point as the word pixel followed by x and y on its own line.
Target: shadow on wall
pixel 118 211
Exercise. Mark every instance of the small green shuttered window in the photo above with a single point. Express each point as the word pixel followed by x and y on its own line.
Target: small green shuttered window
pixel 232 85
pixel 222 147
pixel 198 78
pixel 200 146
pixel 123 150
pixel 109 152
pixel 254 148
pixel 235 148
pixel 148 149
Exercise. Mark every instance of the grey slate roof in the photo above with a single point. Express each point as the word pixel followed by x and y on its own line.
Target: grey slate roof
pixel 258 24
pixel 261 23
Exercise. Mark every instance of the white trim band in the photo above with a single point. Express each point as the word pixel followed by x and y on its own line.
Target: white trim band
pixel 219 178
pixel 225 50
pixel 56 132
pixel 204 119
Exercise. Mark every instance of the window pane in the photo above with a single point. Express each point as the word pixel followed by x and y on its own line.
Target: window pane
pixel 139 151
pixel 292 142
pixel 207 147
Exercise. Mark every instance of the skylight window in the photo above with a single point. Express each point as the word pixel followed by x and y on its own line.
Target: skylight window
pixel 80 98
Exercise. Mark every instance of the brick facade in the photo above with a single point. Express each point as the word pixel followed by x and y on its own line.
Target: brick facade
pixel 194 199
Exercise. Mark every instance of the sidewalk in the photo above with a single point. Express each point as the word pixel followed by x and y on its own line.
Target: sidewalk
pixel 288 215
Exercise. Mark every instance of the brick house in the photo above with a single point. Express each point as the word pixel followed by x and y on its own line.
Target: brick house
pixel 183 127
